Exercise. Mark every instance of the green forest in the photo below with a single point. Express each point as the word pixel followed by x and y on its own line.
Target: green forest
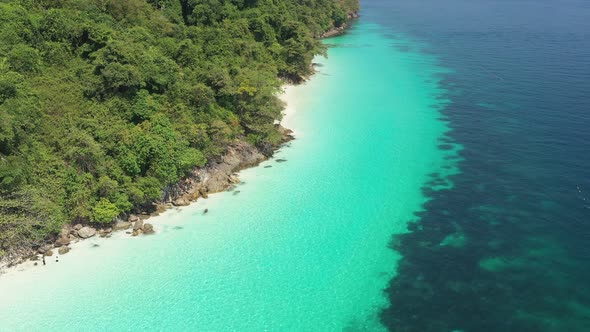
pixel 103 103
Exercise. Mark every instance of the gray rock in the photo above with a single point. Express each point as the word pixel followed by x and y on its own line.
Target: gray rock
pixel 49 253
pixel 148 229
pixel 181 201
pixel 122 225
pixel 45 248
pixel 62 241
pixel 63 250
pixel 234 179
pixel 138 225
pixel 133 218
pixel 78 227
pixel 86 232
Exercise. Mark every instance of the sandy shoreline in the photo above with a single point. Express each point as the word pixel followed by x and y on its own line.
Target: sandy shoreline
pixel 158 221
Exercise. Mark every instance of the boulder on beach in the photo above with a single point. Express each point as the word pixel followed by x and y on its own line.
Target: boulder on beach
pixel 122 225
pixel 181 201
pixel 105 232
pixel 49 253
pixel 148 229
pixel 44 248
pixel 78 227
pixel 63 250
pixel 138 225
pixel 133 218
pixel 62 241
pixel 86 232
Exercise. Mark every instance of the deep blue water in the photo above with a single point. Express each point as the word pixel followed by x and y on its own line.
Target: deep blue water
pixel 508 247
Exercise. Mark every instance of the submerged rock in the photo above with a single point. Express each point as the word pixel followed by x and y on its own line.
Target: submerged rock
pixel 86 232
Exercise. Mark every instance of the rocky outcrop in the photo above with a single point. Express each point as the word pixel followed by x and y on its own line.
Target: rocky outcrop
pixel 218 175
pixel 86 232
pixel 336 31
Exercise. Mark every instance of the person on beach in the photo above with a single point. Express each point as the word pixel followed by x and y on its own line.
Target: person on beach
pixel 56 259
pixel 43 259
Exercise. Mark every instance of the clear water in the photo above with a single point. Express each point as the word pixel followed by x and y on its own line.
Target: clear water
pixel 507 248
pixel 299 246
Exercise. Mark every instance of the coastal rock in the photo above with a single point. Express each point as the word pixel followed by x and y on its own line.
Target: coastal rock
pixel 138 225
pixel 133 218
pixel 105 232
pixel 195 195
pixel 86 232
pixel 233 178
pixel 63 250
pixel 62 241
pixel 148 229
pixel 64 238
pixel 49 253
pixel 287 134
pixel 136 232
pixel 78 227
pixel 266 148
pixel 122 225
pixel 160 208
pixel 45 248
pixel 181 201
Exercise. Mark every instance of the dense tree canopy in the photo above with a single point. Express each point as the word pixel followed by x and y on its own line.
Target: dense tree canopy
pixel 105 102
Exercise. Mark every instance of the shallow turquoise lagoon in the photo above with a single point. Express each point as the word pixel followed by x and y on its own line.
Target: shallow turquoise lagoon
pixel 299 246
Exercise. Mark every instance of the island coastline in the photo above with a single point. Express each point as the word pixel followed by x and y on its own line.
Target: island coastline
pixel 218 175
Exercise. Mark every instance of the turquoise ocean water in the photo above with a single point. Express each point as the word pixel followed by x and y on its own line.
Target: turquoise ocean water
pixel 299 246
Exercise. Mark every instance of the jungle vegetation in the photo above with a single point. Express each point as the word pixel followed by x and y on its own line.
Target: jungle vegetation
pixel 103 103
